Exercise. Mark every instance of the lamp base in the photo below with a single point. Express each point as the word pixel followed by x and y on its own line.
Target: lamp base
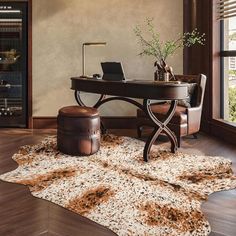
pixel 94 76
pixel 86 77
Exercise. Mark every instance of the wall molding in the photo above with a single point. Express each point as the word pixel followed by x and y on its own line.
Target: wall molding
pixel 110 122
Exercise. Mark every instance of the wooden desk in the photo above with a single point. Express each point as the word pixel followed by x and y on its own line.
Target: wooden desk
pixel 146 90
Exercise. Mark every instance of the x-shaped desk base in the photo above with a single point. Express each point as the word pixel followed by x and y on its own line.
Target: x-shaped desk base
pixel 160 126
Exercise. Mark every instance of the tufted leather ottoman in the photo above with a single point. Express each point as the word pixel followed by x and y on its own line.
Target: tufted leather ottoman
pixel 78 130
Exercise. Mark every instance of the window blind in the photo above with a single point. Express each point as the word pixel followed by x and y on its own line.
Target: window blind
pixel 227 9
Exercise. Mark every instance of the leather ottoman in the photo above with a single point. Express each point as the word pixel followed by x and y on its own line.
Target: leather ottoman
pixel 78 130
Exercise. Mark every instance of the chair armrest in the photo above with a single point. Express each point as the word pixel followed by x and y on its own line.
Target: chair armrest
pixel 194 119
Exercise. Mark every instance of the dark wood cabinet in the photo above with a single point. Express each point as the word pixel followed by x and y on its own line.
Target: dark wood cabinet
pixel 13 64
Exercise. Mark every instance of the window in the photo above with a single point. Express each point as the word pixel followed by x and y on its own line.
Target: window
pixel 228 59
pixel 232 63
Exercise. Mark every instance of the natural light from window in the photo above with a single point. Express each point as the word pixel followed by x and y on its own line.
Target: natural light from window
pixel 228 68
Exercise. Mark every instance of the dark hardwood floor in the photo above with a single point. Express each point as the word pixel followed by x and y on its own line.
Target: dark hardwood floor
pixel 23 215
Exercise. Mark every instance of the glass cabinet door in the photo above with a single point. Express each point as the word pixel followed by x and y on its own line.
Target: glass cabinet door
pixel 13 65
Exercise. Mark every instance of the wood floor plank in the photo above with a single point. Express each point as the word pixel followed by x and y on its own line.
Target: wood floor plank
pixel 20 214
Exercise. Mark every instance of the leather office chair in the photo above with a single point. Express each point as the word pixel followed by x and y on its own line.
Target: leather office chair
pixel 186 120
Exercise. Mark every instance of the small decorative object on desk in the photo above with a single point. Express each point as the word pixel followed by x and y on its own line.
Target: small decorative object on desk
pixel 153 46
pixel 97 76
pixel 163 72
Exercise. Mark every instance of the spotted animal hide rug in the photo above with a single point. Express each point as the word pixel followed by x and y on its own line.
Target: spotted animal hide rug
pixel 117 189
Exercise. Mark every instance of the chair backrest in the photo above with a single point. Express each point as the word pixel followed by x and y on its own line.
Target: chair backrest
pixel 201 85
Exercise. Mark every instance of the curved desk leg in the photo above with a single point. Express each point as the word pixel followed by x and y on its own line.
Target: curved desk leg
pixel 159 128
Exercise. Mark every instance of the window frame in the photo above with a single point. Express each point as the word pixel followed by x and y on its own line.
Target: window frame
pixel 223 54
pixel 203 15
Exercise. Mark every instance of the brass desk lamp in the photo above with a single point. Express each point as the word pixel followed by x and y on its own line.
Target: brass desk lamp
pixel 83 53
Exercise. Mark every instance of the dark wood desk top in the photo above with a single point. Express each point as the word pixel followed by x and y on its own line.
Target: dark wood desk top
pixel 145 89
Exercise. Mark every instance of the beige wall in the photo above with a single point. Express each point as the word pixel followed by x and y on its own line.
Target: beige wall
pixel 61 26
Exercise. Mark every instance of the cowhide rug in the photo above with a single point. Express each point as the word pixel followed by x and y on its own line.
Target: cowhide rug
pixel 115 188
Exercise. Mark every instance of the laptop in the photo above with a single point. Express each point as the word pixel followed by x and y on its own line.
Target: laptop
pixel 112 71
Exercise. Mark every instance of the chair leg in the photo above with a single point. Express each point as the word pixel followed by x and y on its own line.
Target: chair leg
pixel 178 140
pixel 139 131
pixel 195 135
pixel 178 136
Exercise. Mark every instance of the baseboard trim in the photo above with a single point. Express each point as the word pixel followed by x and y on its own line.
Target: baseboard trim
pixel 44 122
pixel 214 128
pixel 220 129
pixel 110 122
pixel 223 131
pixel 205 126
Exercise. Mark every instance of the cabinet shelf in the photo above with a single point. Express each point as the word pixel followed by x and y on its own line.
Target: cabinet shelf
pixel 11 86
pixel 13 65
pixel 8 59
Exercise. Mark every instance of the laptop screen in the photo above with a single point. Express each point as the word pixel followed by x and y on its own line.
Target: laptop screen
pixel 112 71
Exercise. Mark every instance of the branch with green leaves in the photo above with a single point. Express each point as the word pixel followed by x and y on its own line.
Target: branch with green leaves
pixel 153 46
